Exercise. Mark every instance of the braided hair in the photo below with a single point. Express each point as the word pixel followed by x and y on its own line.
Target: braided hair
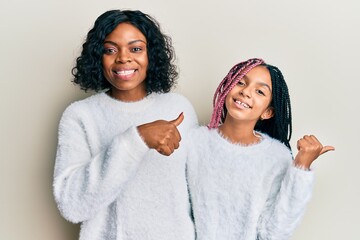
pixel 280 125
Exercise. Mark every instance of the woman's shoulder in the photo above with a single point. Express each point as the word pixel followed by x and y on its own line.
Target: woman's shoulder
pixel 176 103
pixel 173 96
pixel 82 106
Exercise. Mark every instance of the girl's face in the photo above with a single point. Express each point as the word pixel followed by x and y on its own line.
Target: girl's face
pixel 125 62
pixel 249 100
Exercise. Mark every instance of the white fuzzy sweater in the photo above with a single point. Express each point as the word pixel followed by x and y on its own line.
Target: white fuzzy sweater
pixel 245 193
pixel 109 180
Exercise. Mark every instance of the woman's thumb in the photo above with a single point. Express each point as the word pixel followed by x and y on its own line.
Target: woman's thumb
pixel 178 120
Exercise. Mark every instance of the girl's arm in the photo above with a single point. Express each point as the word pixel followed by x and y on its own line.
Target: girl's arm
pixel 289 196
pixel 286 204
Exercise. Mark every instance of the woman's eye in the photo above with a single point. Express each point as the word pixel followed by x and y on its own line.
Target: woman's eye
pixel 136 49
pixel 109 50
pixel 241 83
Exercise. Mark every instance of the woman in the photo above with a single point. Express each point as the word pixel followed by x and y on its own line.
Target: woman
pixel 113 170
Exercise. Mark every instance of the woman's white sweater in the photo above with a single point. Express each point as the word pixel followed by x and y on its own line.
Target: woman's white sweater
pixel 108 179
pixel 245 192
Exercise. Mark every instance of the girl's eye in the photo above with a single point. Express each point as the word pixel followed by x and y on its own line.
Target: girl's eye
pixel 241 83
pixel 260 92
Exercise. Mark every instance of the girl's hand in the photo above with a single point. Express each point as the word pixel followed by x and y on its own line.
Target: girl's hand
pixel 161 135
pixel 309 149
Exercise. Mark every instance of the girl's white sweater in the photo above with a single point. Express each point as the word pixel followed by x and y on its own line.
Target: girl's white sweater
pixel 245 192
pixel 108 179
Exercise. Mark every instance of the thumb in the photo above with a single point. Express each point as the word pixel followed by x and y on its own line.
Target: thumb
pixel 326 149
pixel 178 120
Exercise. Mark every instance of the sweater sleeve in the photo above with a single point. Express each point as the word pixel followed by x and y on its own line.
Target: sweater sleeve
pixel 85 182
pixel 286 204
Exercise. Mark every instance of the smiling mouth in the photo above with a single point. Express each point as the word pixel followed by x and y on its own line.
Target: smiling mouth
pixel 124 72
pixel 242 104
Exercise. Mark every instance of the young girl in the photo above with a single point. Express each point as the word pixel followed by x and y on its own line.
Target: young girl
pixel 112 170
pixel 243 181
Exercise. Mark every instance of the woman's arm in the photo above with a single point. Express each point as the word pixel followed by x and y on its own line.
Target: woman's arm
pixel 85 182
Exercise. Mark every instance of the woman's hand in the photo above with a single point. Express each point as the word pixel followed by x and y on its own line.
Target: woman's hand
pixel 309 149
pixel 161 135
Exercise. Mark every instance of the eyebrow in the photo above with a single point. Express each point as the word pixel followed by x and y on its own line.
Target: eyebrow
pixel 264 84
pixel 259 83
pixel 129 43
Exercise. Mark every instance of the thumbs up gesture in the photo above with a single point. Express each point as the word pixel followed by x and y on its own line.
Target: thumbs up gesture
pixel 309 148
pixel 161 135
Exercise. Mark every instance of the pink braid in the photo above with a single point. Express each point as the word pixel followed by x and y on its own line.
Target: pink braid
pixel 235 74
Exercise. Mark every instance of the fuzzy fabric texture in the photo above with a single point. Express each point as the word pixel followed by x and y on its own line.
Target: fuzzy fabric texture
pixel 108 179
pixel 245 192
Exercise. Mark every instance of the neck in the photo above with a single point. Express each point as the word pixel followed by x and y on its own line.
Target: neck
pixel 127 96
pixel 241 133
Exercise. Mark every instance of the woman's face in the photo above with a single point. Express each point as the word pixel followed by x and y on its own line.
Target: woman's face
pixel 249 100
pixel 125 62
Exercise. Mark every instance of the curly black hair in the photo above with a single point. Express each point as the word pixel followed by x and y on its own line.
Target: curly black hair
pixel 161 73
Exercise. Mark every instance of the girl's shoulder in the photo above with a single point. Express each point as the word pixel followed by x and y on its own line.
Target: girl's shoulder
pixel 199 135
pixel 201 131
pixel 277 148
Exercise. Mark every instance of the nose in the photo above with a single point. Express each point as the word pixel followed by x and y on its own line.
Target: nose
pixel 245 92
pixel 123 56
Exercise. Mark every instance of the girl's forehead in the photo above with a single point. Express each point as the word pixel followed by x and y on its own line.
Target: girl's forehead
pixel 258 74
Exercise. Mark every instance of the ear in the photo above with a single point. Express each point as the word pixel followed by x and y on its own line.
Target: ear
pixel 268 113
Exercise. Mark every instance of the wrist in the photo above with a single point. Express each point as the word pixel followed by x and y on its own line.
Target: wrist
pixel 302 166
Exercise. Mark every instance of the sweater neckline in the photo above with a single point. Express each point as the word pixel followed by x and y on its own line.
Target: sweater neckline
pixel 264 142
pixel 135 106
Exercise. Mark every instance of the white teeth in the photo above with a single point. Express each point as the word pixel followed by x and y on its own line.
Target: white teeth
pixel 125 72
pixel 242 104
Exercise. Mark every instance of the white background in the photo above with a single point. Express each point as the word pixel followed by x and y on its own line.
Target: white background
pixel 314 42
